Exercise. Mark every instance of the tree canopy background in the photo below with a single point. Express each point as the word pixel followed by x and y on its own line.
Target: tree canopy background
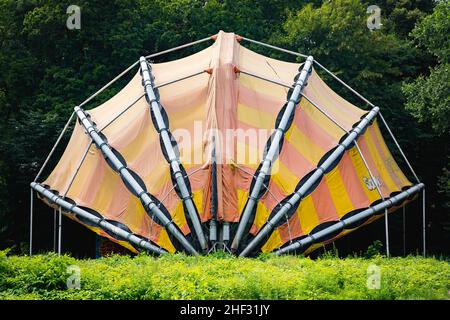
pixel 47 69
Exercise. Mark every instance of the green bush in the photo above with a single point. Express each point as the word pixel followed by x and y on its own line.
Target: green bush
pixel 222 276
pixel 374 249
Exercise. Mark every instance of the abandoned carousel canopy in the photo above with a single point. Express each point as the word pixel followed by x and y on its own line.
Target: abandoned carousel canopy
pixel 226 148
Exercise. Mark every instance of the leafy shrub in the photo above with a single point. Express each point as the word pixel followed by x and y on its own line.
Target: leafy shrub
pixel 374 249
pixel 222 276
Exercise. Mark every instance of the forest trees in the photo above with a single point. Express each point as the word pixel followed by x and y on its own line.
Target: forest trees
pixel 428 97
pixel 46 69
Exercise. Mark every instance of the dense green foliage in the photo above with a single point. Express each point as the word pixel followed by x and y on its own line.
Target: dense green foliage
pixel 46 69
pixel 222 277
pixel 428 97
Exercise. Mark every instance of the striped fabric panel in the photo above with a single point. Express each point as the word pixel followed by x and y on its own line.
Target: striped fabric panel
pixel 138 142
pixel 394 170
pixel 345 188
pixel 341 110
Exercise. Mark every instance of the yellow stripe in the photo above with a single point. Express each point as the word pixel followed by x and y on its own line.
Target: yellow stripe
pixel 307 215
pixel 379 163
pixel 164 241
pixel 134 149
pixel 187 115
pixel 242 196
pixel 285 179
pixel 198 200
pixel 338 192
pixel 158 177
pixel 324 102
pixel 274 241
pixel 85 173
pixel 262 214
pixel 247 155
pixel 254 117
pixel 326 93
pixel 303 145
pixel 321 120
pixel 313 248
pixel 391 161
pixel 263 87
pixel 178 215
pixel 362 174
pixel 126 245
pixel 134 214
pixel 104 196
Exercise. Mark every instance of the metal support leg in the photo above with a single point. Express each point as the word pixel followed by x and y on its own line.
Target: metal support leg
pixel 404 230
pixel 55 229
pixel 424 222
pixel 386 219
pixel 59 231
pixel 386 225
pixel 31 222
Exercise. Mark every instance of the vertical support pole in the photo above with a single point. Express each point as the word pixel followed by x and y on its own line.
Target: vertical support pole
pixel 226 233
pixel 97 246
pixel 59 231
pixel 386 225
pixel 55 229
pixel 31 222
pixel 213 222
pixel 424 222
pixel 404 230
pixel 386 219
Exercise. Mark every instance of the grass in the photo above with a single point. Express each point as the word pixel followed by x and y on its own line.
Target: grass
pixel 222 277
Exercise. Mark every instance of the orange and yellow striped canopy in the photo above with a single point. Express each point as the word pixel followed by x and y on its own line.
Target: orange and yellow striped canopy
pixel 241 109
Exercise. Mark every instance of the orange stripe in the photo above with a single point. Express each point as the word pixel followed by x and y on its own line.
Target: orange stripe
pixel 323 203
pixel 373 168
pixel 291 230
pixel 313 129
pixel 382 155
pixel 260 101
pixel 392 166
pixel 352 182
pixel 293 160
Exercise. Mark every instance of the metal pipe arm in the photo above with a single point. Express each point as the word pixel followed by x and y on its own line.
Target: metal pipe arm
pixel 172 157
pixel 269 158
pixel 362 216
pixel 312 180
pixel 70 207
pixel 133 185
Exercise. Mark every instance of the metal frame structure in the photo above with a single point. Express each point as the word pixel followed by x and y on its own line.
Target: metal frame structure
pixel 70 207
pixel 152 96
pixel 273 150
pixel 132 184
pixel 86 101
pixel 310 182
pixel 172 156
pixel 347 223
pixel 382 119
